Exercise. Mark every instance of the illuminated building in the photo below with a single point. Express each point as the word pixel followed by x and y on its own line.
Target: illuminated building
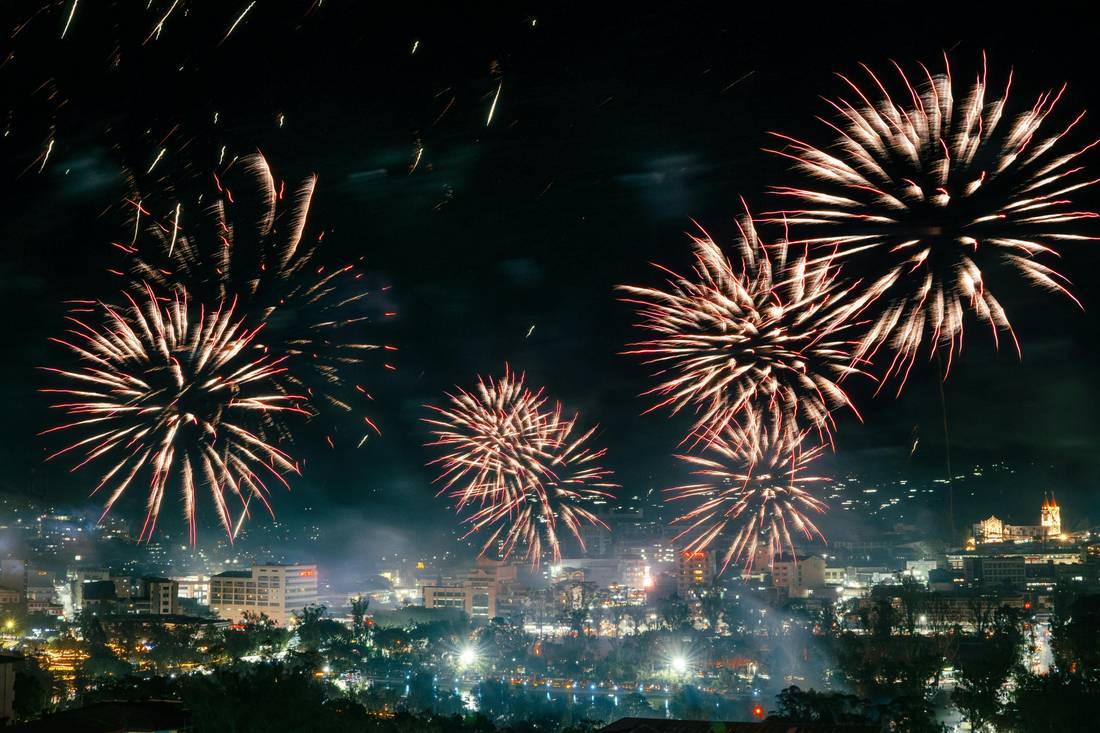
pixel 9 597
pixel 275 590
pixel 475 594
pixel 1050 516
pixel 994 529
pixel 195 587
pixel 695 571
pixel 994 570
pixel 1032 555
pixel 799 577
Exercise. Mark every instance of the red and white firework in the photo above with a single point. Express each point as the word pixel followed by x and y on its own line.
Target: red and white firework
pixel 518 467
pixel 939 196
pixel 752 483
pixel 178 393
pixel 764 332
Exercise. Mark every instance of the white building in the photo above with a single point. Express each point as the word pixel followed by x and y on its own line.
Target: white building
pixel 799 577
pixel 275 590
pixel 195 587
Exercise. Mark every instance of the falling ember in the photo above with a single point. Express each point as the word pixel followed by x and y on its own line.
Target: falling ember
pixel 751 482
pixel 517 467
pixel 767 334
pixel 172 390
pixel 938 196
pixel 237 22
pixel 69 20
pixel 493 106
pixel 46 155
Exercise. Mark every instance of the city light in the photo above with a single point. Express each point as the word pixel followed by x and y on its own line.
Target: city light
pixel 679 664
pixel 467 657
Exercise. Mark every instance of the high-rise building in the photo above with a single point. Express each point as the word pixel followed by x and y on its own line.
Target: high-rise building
pixel 195 588
pixel 476 593
pixel 275 590
pixel 163 595
pixel 799 577
pixel 696 571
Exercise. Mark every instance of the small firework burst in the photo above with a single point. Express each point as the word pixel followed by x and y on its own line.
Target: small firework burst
pixel 518 467
pixel 752 484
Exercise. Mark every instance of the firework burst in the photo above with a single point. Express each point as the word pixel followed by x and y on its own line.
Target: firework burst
pixel 180 399
pixel 518 467
pixel 936 195
pixel 764 333
pixel 752 482
pixel 313 314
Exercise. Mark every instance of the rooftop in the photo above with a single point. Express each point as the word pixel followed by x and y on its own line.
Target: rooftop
pixel 113 717
pixel 660 725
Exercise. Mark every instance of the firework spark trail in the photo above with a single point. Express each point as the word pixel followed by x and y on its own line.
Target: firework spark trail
pixel 314 314
pixel 752 478
pixel 164 394
pixel 517 466
pixel 766 334
pixel 933 194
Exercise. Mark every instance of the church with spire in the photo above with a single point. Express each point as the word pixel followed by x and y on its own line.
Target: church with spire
pixel 1050 516
pixel 1049 527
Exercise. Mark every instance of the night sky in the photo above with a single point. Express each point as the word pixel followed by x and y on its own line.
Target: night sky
pixel 613 130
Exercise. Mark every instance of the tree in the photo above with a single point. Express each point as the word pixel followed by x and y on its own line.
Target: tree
pixel 914 603
pixel 33 689
pixel 267 697
pixel 983 665
pixel 675 612
pixel 909 714
pixel 359 608
pixel 711 606
pixel 1054 703
pixel 810 707
pixel 256 634
pixel 1076 642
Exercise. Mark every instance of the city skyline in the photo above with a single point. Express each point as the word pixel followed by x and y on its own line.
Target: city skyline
pixel 449 329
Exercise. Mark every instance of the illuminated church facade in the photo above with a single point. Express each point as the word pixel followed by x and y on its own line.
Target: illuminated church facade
pixel 1049 526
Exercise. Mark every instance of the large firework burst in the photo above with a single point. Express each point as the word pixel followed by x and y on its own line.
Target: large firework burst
pixel 314 314
pixel 183 400
pixel 766 333
pixel 934 195
pixel 518 466
pixel 752 483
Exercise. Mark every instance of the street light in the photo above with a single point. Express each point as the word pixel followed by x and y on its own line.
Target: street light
pixel 467 657
pixel 679 664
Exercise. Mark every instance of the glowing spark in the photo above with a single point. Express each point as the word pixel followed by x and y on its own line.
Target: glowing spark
pixel 156 160
pixel 493 106
pixel 69 20
pixel 175 231
pixel 46 155
pixel 237 21
pixel 160 26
